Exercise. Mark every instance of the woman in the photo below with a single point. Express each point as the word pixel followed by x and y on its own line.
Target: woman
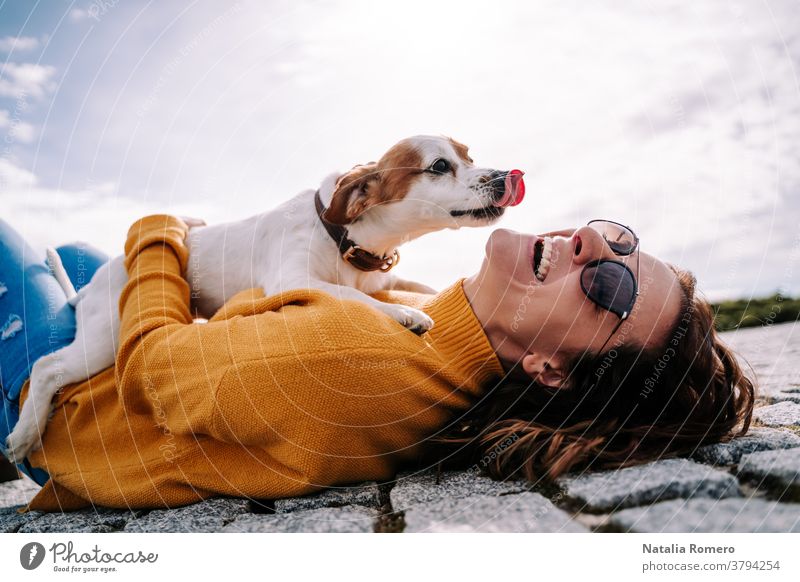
pixel 595 381
pixel 284 395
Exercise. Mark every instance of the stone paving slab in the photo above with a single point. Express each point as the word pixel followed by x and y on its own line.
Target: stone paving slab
pixel 209 515
pixel 709 516
pixel 777 471
pixel 782 414
pixel 355 519
pixel 519 512
pixel 784 396
pixel 756 439
pixel 413 488
pixel 99 520
pixel 775 386
pixel 11 521
pixel 609 490
pixel 771 350
pixel 17 492
pixel 366 495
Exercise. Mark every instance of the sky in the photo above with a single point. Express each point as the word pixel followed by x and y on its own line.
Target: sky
pixel 681 119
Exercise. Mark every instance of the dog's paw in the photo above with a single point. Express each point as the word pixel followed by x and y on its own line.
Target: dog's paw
pixel 410 318
pixel 22 441
pixel 192 222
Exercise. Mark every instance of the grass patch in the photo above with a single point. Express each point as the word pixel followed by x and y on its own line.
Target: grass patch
pixel 756 312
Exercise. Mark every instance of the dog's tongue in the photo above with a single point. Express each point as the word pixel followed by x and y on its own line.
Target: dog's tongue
pixel 514 189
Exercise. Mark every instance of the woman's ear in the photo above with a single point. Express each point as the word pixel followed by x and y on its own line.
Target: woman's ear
pixel 355 191
pixel 546 371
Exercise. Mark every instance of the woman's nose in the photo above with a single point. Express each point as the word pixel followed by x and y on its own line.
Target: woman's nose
pixel 589 245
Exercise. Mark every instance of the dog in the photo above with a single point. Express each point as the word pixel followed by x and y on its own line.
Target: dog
pixel 341 238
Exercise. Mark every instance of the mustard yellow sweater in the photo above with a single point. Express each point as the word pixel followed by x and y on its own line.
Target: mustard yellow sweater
pixel 273 397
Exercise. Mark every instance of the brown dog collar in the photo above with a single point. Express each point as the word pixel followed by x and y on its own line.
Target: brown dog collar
pixel 352 253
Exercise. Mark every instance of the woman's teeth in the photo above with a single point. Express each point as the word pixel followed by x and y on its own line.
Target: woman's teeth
pixel 543 267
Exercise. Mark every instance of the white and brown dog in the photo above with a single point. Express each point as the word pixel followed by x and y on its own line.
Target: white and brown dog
pixel 341 238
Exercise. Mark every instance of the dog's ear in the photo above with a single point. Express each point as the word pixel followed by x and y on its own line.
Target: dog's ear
pixel 355 191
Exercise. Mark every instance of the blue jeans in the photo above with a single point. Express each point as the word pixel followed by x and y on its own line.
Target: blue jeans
pixel 35 318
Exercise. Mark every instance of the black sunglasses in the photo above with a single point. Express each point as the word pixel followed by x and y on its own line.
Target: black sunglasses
pixel 609 283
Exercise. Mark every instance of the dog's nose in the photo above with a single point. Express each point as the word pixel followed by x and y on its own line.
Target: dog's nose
pixel 508 188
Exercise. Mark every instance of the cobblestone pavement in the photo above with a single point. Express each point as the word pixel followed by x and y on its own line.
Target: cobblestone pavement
pixel 749 485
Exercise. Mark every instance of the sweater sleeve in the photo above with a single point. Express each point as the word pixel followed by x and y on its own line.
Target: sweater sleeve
pixel 154 305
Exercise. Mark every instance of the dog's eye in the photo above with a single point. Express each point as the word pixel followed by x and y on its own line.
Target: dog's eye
pixel 440 166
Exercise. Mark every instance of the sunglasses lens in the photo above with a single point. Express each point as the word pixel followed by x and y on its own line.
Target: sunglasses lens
pixel 610 285
pixel 621 239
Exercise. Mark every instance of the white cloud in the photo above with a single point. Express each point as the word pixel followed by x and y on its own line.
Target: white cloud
pixel 16 130
pixel 96 214
pixel 26 79
pixel 12 177
pixel 18 43
pixel 22 132
pixel 78 14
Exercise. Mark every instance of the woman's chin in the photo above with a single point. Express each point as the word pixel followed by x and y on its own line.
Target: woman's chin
pixel 509 254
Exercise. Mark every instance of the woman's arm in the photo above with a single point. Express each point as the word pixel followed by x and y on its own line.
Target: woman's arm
pixel 263 367
pixel 154 318
pixel 156 294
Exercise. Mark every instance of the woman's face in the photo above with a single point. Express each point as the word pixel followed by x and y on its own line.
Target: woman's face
pixel 543 323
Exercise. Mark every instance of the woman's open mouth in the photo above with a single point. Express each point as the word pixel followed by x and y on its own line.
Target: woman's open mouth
pixel 485 213
pixel 542 254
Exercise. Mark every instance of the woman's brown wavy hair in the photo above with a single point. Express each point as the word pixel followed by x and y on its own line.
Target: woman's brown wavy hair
pixel 631 406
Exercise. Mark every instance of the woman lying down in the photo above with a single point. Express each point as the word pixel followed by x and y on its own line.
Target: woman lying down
pixel 566 351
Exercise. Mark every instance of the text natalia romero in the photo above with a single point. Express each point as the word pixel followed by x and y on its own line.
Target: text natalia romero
pixel 693 549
